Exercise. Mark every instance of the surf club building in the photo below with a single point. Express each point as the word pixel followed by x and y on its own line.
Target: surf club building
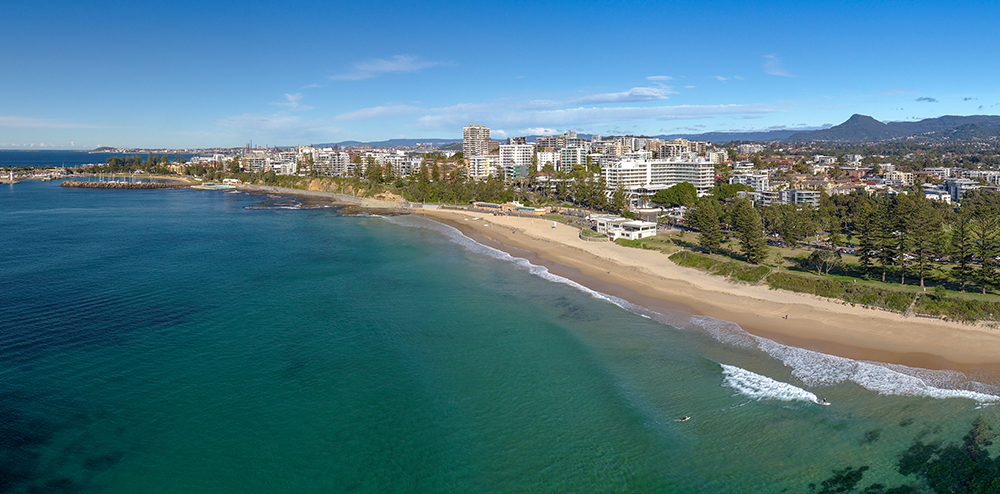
pixel 616 227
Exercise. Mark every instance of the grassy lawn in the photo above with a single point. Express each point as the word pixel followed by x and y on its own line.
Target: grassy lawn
pixel 845 282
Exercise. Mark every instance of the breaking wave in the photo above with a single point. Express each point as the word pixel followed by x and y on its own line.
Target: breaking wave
pixel 760 387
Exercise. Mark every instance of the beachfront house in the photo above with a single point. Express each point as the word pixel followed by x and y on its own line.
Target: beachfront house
pixel 616 227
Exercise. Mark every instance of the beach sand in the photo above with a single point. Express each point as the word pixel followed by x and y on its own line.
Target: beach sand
pixel 650 279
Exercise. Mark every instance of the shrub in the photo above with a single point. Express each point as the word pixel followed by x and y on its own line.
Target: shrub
pixel 730 269
pixel 885 298
pixel 959 309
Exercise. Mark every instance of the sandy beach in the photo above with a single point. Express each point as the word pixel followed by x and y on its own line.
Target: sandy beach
pixel 650 279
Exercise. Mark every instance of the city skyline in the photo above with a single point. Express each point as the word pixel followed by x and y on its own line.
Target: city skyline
pixel 206 74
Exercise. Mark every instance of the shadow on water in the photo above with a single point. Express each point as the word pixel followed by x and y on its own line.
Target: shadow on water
pixel 71 327
pixel 935 467
pixel 21 436
pixel 25 466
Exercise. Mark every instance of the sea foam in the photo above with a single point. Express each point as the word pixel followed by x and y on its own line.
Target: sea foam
pixel 811 367
pixel 760 387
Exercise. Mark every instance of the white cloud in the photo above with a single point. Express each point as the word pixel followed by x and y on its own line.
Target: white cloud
pixel 292 101
pixel 660 78
pixel 632 95
pixel 719 77
pixel 772 65
pixel 689 87
pixel 459 115
pixel 540 131
pixel 378 66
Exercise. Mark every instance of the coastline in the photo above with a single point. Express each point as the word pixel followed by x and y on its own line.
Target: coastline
pixel 650 279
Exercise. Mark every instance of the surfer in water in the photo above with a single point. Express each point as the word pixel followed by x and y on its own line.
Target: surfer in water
pixel 684 419
pixel 822 401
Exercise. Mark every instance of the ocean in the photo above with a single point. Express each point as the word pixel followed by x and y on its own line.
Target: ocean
pixel 204 341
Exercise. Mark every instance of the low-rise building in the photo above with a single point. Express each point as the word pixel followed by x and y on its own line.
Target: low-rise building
pixel 616 227
pixel 757 181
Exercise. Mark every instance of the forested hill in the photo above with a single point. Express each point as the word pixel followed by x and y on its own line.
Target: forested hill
pixel 862 128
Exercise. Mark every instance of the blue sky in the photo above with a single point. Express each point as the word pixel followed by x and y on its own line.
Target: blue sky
pixel 212 73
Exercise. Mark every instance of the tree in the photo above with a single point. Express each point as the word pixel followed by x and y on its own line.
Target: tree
pixel 985 243
pixel 706 219
pixel 902 220
pixel 682 194
pixel 824 260
pixel 984 208
pixel 792 225
pixel 750 231
pixel 924 226
pixel 962 246
pixel 619 199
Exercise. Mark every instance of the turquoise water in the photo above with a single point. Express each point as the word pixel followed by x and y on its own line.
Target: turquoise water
pixel 184 341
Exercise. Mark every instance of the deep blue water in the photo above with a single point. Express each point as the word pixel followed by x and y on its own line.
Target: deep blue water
pixel 183 341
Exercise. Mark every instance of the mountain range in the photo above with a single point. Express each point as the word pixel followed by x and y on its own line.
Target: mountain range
pixel 857 129
pixel 862 128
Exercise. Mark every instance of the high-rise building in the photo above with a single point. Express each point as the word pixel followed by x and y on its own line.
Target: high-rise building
pixel 640 176
pixel 475 140
pixel 515 159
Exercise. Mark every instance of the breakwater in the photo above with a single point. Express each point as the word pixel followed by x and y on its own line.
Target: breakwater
pixel 121 185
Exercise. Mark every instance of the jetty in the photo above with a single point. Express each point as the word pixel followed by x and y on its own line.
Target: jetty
pixel 121 185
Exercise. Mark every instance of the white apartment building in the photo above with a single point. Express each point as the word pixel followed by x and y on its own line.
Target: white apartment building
pixel 750 148
pixel 649 176
pixel 549 157
pixel 483 166
pixel 570 157
pixel 718 155
pixel 759 181
pixel 991 176
pixel 516 159
pixel 330 162
pixel 475 140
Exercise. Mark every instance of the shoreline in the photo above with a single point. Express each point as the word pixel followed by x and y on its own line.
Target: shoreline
pixel 649 279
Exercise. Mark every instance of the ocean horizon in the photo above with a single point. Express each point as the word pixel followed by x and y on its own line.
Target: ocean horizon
pixel 205 341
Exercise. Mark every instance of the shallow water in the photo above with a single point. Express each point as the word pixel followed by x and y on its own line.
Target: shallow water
pixel 183 341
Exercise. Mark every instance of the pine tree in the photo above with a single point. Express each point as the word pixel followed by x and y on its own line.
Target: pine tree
pixel 925 230
pixel 866 234
pixel 750 231
pixel 962 246
pixel 706 220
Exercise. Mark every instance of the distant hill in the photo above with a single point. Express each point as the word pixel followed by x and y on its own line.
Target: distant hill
pixel 723 137
pixel 862 128
pixel 391 142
